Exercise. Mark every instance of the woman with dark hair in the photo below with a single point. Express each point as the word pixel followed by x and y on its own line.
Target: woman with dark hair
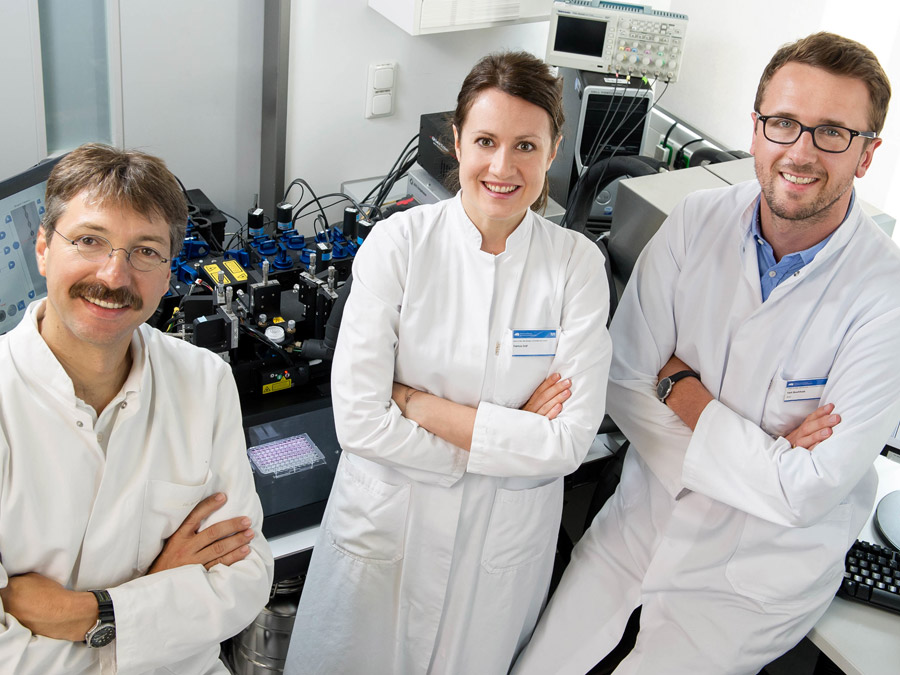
pixel 469 377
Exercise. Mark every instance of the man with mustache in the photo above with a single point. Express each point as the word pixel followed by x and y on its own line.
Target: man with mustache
pixel 755 354
pixel 129 523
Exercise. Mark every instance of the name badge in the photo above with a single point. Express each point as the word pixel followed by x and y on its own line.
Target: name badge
pixel 804 390
pixel 534 343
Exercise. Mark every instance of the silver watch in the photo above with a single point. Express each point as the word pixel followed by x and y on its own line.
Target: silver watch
pixel 104 631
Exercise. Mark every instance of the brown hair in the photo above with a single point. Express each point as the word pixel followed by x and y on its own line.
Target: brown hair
pixel 518 74
pixel 111 176
pixel 839 56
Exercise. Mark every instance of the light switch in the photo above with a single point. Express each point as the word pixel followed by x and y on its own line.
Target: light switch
pixel 384 77
pixel 381 104
pixel 380 89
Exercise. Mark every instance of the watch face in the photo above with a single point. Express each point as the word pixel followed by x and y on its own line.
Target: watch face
pixel 102 635
pixel 663 388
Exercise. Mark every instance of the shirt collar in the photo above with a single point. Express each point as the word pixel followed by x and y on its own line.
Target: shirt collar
pixel 806 255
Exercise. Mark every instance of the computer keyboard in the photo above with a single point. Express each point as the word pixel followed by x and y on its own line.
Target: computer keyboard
pixel 872 576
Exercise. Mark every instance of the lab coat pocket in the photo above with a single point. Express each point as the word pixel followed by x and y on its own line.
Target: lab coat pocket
pixel 518 376
pixel 166 505
pixel 523 524
pixel 366 516
pixel 773 563
pixel 781 417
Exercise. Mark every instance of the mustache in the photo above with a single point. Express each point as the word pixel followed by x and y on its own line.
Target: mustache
pixel 99 291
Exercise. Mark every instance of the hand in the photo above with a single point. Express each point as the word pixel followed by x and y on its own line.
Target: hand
pixel 547 399
pixel 47 608
pixel 224 542
pixel 815 428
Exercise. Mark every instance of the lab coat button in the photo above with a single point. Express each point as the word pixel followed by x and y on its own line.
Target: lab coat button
pixel 124 404
pixel 79 424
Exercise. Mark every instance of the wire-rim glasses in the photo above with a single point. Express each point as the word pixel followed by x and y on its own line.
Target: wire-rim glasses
pixel 97 249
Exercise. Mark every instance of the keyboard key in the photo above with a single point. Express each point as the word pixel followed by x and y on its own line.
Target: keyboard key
pixel 885 599
pixel 871 576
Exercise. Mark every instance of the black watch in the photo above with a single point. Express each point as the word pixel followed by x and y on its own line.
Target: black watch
pixel 104 631
pixel 664 388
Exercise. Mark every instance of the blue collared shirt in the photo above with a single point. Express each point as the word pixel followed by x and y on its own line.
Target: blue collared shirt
pixel 772 273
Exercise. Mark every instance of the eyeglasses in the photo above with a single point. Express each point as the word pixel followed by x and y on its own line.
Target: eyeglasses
pixel 826 137
pixel 97 249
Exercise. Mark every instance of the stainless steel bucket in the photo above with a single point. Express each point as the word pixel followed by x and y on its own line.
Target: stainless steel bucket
pixel 261 648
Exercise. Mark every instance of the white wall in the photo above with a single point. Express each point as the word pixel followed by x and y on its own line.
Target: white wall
pixel 729 44
pixel 329 141
pixel 191 83
pixel 192 92
pixel 21 110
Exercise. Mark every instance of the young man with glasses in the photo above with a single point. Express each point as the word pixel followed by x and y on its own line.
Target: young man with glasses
pixel 755 354
pixel 129 523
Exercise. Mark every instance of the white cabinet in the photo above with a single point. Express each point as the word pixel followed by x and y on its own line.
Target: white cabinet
pixel 420 17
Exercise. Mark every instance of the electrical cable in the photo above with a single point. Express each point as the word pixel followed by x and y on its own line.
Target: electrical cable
pixel 680 159
pixel 307 186
pixel 184 190
pixel 579 185
pixel 393 167
pixel 299 210
pixel 274 346
pixel 603 127
pixel 602 140
pixel 286 192
pixel 665 140
pixel 406 164
pixel 239 232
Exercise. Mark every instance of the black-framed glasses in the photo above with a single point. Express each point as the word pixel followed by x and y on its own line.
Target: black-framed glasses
pixel 826 137
pixel 97 249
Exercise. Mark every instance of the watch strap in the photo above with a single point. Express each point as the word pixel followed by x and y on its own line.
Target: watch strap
pixel 681 374
pixel 105 605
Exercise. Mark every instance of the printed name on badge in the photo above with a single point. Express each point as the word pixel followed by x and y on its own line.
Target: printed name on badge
pixel 534 343
pixel 804 390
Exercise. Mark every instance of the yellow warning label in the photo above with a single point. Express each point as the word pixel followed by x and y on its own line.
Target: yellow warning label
pixel 237 272
pixel 213 271
pixel 278 319
pixel 284 383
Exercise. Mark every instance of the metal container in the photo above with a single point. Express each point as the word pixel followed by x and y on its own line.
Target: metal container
pixel 261 648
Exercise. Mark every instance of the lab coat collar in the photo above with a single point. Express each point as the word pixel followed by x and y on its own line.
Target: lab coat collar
pixel 518 238
pixel 38 367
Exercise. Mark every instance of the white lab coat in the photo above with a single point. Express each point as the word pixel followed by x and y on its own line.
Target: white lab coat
pixel 729 526
pixel 92 511
pixel 432 559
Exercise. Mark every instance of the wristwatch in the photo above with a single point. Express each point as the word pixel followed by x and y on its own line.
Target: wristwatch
pixel 104 631
pixel 664 388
